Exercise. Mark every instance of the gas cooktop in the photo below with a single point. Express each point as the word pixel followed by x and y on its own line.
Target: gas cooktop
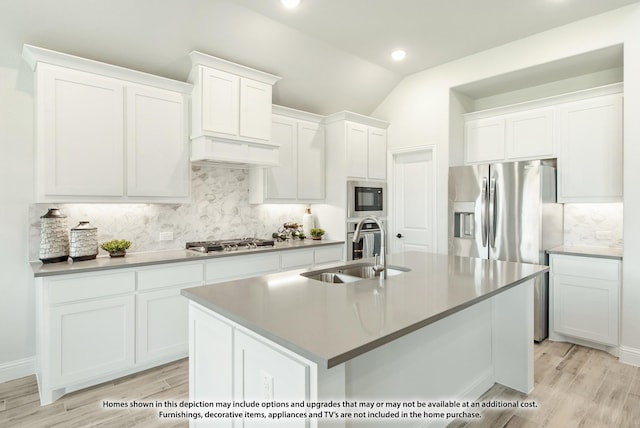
pixel 229 245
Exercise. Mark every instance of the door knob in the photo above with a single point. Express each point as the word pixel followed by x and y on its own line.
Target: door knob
pixel 399 235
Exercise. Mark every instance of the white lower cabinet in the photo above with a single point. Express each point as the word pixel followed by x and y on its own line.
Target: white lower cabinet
pixel 585 299
pixel 93 327
pixel 91 339
pixel 162 313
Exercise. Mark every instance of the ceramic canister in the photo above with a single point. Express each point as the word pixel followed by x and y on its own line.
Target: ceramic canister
pixel 84 242
pixel 54 238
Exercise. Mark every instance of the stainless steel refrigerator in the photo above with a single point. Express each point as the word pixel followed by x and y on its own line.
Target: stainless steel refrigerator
pixel 507 211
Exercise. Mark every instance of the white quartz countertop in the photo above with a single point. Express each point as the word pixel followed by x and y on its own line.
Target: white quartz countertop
pixel 161 257
pixel 602 252
pixel 333 323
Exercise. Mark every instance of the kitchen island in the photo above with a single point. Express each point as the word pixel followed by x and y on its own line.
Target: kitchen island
pixel 446 329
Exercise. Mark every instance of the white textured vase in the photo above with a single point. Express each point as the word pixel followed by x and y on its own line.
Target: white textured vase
pixel 54 238
pixel 84 242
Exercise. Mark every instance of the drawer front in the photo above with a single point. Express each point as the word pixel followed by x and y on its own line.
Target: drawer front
pixel 245 266
pixel 334 253
pixel 167 276
pixel 588 267
pixel 89 287
pixel 296 259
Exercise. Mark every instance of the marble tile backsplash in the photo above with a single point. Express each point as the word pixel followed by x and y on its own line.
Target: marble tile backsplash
pixel 219 209
pixel 584 222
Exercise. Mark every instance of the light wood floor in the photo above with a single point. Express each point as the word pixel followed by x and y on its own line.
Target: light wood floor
pixel 574 387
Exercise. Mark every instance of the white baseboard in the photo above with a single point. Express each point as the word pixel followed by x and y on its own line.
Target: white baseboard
pixel 17 369
pixel 630 355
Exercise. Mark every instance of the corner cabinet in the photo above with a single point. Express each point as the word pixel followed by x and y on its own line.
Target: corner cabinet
pixel 300 175
pixel 585 299
pixel 107 134
pixel 231 112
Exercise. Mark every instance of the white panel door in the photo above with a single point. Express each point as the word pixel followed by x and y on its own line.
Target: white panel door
pixel 157 146
pixel 91 339
pixel 81 124
pixel 530 134
pixel 255 109
pixel 162 325
pixel 220 102
pixel 377 167
pixel 484 140
pixel 262 373
pixel 311 161
pixel 281 179
pixel 590 141
pixel 357 157
pixel 413 202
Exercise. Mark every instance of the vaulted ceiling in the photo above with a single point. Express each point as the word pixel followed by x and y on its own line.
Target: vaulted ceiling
pixel 332 54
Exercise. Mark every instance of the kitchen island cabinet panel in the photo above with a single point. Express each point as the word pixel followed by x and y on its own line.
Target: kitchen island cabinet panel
pixel 211 356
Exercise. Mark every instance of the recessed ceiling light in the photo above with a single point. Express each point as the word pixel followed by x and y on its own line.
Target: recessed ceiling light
pixel 290 4
pixel 398 55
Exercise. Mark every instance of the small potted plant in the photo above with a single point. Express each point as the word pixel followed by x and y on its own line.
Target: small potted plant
pixel 116 247
pixel 316 233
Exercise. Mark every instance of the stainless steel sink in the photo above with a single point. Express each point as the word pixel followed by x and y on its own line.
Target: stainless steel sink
pixel 351 273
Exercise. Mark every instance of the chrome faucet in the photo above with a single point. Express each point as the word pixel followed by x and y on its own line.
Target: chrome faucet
pixel 380 263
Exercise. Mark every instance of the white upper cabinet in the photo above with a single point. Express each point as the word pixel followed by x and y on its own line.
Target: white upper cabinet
pixel 366 152
pixel 590 165
pixel 583 130
pixel 79 134
pixel 510 137
pixel 484 140
pixel 157 147
pixel 300 174
pixel 107 134
pixel 231 112
pixel 530 134
pixel 360 142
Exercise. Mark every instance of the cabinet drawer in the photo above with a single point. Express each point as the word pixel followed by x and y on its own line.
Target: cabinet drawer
pixel 295 259
pixel 179 274
pixel 230 268
pixel 89 287
pixel 328 254
pixel 588 267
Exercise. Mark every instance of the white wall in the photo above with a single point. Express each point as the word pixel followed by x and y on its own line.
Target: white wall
pixel 16 189
pixel 630 350
pixel 419 111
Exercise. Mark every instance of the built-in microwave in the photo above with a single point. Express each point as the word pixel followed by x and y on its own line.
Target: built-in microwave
pixel 366 198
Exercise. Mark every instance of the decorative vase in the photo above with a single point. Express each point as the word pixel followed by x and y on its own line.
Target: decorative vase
pixel 316 238
pixel 54 239
pixel 118 253
pixel 84 242
pixel 308 222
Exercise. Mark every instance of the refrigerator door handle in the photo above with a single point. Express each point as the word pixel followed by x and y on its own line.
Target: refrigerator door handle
pixel 492 213
pixel 483 212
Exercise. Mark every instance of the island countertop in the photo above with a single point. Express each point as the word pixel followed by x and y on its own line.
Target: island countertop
pixel 333 323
